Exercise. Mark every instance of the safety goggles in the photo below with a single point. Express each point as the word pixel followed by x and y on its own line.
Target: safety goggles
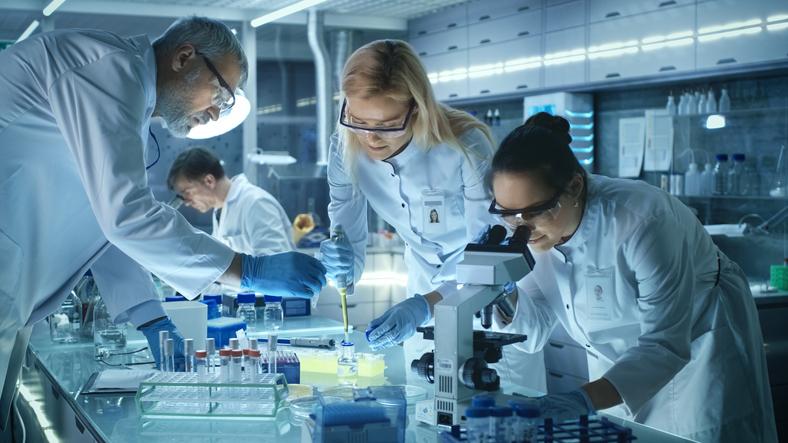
pixel 225 97
pixel 536 214
pixel 387 132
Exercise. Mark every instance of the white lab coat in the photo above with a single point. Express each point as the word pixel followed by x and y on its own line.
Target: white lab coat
pixel 636 286
pixel 395 189
pixel 252 221
pixel 73 132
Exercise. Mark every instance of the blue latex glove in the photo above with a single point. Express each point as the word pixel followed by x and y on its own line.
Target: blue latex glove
pixel 567 406
pixel 398 323
pixel 289 274
pixel 337 256
pixel 151 333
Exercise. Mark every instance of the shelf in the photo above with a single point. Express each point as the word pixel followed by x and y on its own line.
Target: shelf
pixel 736 113
pixel 758 198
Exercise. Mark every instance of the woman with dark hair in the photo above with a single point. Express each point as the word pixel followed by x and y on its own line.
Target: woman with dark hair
pixel 668 321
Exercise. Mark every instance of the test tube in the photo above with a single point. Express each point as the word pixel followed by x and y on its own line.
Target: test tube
pixel 245 364
pixel 169 355
pixel 201 364
pixel 188 354
pixel 163 336
pixel 272 354
pixel 224 362
pixel 254 344
pixel 210 348
pixel 253 366
pixel 236 363
pixel 235 344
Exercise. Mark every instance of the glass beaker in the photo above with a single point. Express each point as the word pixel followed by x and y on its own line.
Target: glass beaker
pixel 108 337
pixel 347 363
pixel 65 323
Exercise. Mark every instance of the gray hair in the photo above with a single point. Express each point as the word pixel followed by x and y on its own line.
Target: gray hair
pixel 211 37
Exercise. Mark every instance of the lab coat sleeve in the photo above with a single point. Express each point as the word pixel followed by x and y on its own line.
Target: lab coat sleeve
pixel 533 316
pixel 125 287
pixel 658 253
pixel 101 111
pixel 265 230
pixel 348 207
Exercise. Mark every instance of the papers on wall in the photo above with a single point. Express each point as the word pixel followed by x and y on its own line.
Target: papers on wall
pixel 659 140
pixel 631 143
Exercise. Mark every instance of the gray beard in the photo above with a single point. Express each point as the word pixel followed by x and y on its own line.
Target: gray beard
pixel 173 102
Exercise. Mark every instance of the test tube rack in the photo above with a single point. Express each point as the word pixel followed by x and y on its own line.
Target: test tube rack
pixel 586 429
pixel 189 395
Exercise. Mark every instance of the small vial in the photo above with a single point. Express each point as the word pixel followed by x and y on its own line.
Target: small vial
pixel 163 336
pixel 201 364
pixel 246 310
pixel 210 348
pixel 245 364
pixel 499 423
pixel 224 365
pixel 273 315
pixel 478 424
pixel 235 344
pixel 253 366
pixel 188 354
pixel 169 355
pixel 347 363
pixel 272 354
pixel 236 364
pixel 254 344
pixel 525 423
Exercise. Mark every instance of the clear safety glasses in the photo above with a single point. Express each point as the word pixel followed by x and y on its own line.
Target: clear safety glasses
pixel 386 132
pixel 225 97
pixel 533 215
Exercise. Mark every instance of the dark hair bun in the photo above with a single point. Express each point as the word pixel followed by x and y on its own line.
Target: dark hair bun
pixel 559 126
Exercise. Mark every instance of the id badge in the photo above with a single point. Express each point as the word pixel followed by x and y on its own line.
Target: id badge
pixel 433 213
pixel 600 290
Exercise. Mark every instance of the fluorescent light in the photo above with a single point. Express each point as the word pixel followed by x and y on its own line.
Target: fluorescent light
pixel 729 26
pixel 662 38
pixel 270 109
pixel 284 12
pixel 613 53
pixel 777 18
pixel 579 115
pixel 225 123
pixel 715 121
pixel 271 158
pixel 729 34
pixel 50 8
pixel 587 161
pixel 612 45
pixel 587 150
pixel 479 71
pixel 564 60
pixel 30 28
pixel 668 44
pixel 565 54
pixel 777 26
pixel 453 74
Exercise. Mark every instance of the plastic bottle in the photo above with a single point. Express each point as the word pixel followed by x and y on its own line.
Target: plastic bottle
pixel 725 102
pixel 735 173
pixel 65 323
pixel 273 315
pixel 478 424
pixel 496 117
pixel 188 354
pixel 720 175
pixel 692 103
pixel 701 99
pixel 347 363
pixel 526 424
pixel 682 106
pixel 201 364
pixel 707 179
pixel 692 180
pixel 671 106
pixel 711 102
pixel 224 364
pixel 488 117
pixel 499 422
pixel 236 365
pixel 246 310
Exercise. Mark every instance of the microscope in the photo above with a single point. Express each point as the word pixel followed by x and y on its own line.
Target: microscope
pixel 458 366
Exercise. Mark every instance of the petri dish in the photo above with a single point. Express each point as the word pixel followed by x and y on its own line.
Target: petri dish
pixel 414 393
pixel 302 407
pixel 296 391
pixel 344 392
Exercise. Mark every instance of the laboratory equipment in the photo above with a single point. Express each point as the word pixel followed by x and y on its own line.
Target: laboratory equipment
pixel 223 329
pixel 682 106
pixel 347 363
pixel 345 283
pixel 720 175
pixel 735 173
pixel 234 344
pixel 201 364
pixel 224 364
pixel 271 355
pixel 780 186
pixel 478 424
pixel 287 363
pixel 273 315
pixel 169 355
pixel 66 321
pixel 525 422
pixel 370 365
pixel 671 106
pixel 236 365
pixel 296 307
pixel 750 183
pixel 461 354
pixel 375 414
pixel 188 355
pixel 778 276
pixel 725 102
pixel 191 319
pixel 108 337
pixel 246 310
pixel 707 179
pixel 163 336
pixel 213 308
pixel 252 368
pixel 210 349
pixel 701 98
pixel 499 423
pixel 711 103
pixel 692 180
pixel 182 394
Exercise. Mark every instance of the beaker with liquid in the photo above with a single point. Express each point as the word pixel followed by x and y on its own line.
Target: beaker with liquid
pixel 65 323
pixel 108 337
pixel 347 363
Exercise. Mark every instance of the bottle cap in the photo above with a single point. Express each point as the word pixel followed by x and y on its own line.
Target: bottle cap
pixel 245 351
pixel 201 354
pixel 739 157
pixel 272 299
pixel 237 353
pixel 721 157
pixel 225 352
pixel 476 412
pixel 482 401
pixel 246 297
pixel 501 411
pixel 254 353
pixel 215 297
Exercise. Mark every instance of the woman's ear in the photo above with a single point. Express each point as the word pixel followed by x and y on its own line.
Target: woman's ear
pixel 577 186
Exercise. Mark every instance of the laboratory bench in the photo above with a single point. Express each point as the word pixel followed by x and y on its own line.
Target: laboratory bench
pixel 53 408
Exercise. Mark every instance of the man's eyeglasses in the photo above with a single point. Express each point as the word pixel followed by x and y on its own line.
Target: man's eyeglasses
pixel 386 132
pixel 225 98
pixel 542 212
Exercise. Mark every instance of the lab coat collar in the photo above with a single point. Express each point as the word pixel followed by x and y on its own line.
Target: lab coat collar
pixel 589 214
pixel 411 150
pixel 236 184
pixel 142 42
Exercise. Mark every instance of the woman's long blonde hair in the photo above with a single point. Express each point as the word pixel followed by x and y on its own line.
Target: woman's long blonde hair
pixel 391 68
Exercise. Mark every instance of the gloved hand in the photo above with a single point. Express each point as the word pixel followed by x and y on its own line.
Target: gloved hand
pixel 567 406
pixel 151 332
pixel 337 256
pixel 398 323
pixel 288 274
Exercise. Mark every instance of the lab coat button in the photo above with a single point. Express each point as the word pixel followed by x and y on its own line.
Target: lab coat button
pixel 567 307
pixel 403 205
